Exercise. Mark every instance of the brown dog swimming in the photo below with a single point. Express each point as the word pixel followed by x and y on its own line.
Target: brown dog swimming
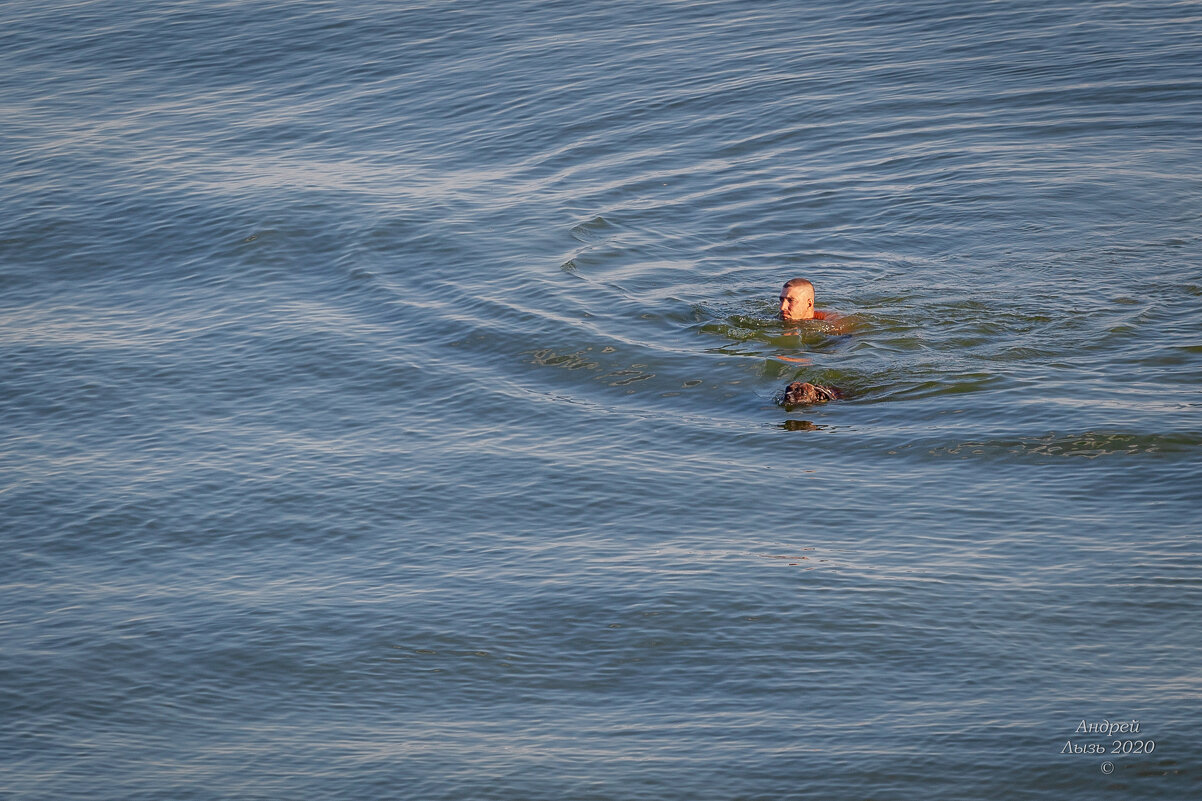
pixel 804 393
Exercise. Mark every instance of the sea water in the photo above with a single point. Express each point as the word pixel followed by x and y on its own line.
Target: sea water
pixel 388 394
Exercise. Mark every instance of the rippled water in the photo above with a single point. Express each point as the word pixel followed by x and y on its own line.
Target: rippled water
pixel 389 395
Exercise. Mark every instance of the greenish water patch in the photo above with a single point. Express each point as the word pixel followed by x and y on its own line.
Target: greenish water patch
pixel 1086 445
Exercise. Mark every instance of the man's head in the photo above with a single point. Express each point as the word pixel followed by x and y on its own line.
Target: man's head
pixel 797 300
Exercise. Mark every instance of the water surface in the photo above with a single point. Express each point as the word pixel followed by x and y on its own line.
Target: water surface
pixel 389 399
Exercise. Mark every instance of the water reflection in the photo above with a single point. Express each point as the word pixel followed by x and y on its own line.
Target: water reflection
pixel 801 425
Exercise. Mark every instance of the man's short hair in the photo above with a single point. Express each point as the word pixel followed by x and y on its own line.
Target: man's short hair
pixel 799 282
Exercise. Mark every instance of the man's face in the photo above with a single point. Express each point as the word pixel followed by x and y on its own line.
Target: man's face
pixel 797 303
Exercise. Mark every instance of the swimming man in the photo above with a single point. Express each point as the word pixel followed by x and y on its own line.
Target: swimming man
pixel 797 302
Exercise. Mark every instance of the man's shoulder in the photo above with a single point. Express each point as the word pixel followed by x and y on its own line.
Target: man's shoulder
pixel 839 323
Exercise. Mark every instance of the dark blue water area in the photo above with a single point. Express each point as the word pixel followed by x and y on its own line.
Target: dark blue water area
pixel 391 400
